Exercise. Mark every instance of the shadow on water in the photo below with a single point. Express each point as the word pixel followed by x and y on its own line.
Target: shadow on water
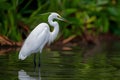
pixel 101 62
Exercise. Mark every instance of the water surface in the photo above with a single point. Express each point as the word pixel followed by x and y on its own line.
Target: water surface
pixel 101 62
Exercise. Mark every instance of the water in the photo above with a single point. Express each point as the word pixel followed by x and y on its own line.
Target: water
pixel 101 62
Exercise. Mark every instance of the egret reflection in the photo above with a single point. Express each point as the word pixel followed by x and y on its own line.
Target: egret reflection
pixel 23 75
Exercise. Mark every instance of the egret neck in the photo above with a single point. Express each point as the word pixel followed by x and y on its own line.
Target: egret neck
pixel 54 24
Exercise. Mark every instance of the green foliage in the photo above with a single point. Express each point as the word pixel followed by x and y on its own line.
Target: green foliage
pixel 8 19
pixel 101 15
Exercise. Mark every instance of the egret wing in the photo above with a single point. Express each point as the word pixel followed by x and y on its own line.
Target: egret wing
pixel 35 41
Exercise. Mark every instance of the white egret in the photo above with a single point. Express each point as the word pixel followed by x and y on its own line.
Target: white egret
pixel 40 36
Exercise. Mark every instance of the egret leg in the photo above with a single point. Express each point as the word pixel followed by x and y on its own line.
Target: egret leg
pixel 39 74
pixel 35 69
pixel 35 60
pixel 39 61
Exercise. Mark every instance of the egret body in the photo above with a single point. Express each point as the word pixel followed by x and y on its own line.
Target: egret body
pixel 40 36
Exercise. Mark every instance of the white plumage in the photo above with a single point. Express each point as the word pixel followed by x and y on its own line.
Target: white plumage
pixel 40 36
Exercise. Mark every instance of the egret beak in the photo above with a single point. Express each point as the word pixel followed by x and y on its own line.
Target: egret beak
pixel 62 19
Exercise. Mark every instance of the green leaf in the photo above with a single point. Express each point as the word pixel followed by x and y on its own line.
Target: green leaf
pixel 70 11
pixel 105 24
pixel 102 2
pixel 112 11
pixel 91 19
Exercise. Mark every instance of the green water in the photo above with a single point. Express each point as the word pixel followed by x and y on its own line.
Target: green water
pixel 100 62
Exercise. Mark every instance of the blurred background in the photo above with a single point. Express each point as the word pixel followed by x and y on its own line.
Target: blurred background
pixel 87 44
pixel 88 20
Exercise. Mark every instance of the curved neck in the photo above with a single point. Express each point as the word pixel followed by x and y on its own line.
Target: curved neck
pixel 54 24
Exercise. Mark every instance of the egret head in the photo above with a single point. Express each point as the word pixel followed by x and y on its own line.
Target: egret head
pixel 56 16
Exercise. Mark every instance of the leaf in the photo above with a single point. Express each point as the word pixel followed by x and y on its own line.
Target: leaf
pixel 102 2
pixel 112 11
pixel 105 24
pixel 70 11
pixel 91 19
pixel 5 6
